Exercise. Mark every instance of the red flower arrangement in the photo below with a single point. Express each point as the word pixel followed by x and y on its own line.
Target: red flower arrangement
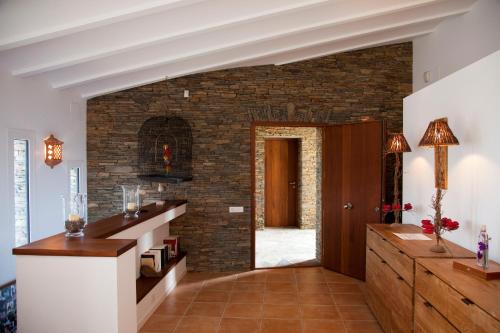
pixel 396 209
pixel 440 225
pixel 446 225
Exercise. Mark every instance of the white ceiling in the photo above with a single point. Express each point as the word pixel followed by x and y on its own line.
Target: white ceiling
pixel 95 47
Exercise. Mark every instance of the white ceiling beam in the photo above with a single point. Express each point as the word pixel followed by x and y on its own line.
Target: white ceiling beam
pixel 262 40
pixel 229 59
pixel 32 21
pixel 144 31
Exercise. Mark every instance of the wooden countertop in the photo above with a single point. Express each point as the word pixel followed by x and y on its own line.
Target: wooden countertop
pixel 485 294
pixel 415 248
pixel 94 242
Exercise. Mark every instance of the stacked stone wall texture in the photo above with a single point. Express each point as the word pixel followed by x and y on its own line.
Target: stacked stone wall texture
pixel 346 87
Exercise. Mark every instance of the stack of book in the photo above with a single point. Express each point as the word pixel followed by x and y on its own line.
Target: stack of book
pixel 172 242
pixel 158 256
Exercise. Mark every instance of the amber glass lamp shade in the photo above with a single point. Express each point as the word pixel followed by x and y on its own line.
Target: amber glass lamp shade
pixel 438 133
pixel 53 151
pixel 397 144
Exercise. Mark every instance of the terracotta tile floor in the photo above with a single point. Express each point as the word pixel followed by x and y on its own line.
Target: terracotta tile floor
pixel 288 300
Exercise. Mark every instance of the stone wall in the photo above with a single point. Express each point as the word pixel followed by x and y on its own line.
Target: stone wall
pixel 308 181
pixel 347 87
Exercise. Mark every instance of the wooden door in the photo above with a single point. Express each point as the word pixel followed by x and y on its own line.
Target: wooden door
pixel 281 179
pixel 352 193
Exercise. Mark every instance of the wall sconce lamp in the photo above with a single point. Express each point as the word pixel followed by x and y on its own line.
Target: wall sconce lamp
pixel 397 144
pixel 439 136
pixel 53 151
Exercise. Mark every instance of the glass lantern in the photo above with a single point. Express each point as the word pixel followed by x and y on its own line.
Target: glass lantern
pixel 131 200
pixel 75 214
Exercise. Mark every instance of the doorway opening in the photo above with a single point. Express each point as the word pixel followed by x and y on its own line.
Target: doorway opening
pixel 338 194
pixel 287 209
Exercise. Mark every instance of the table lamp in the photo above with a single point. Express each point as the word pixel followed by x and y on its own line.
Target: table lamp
pixel 397 144
pixel 439 136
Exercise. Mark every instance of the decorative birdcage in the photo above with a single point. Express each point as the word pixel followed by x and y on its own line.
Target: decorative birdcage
pixel 165 150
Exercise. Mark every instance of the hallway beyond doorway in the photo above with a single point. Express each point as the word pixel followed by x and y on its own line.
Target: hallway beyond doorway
pixel 278 247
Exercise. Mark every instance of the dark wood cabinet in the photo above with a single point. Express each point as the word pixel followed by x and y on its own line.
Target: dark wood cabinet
pixel 390 277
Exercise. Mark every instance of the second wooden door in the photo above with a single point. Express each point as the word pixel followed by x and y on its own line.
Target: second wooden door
pixel 281 179
pixel 352 193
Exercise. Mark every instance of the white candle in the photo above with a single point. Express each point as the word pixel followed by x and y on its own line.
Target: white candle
pixel 74 217
pixel 131 206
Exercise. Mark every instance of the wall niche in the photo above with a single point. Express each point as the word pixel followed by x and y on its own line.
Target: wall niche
pixel 165 150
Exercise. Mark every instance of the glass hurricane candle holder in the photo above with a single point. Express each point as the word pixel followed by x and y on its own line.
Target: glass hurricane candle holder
pixel 131 200
pixel 75 214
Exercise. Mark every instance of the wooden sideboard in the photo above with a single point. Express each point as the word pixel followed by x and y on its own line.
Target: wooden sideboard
pixel 448 300
pixel 390 273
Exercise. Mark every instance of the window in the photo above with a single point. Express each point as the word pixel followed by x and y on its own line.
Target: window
pixel 21 191
pixel 76 179
pixel 74 183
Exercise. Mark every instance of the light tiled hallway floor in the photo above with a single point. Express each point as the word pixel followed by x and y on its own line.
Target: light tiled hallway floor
pixel 288 300
pixel 278 247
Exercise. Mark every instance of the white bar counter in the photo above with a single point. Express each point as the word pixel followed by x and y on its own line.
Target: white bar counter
pixel 93 284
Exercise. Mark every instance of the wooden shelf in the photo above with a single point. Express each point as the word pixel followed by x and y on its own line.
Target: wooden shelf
pixel 165 178
pixel 144 284
pixel 94 243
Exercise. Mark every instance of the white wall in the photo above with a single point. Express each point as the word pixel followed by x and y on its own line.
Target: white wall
pixel 457 42
pixel 31 105
pixel 470 98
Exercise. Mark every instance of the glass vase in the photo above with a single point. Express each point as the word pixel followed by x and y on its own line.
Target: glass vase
pixel 483 248
pixel 131 200
pixel 75 214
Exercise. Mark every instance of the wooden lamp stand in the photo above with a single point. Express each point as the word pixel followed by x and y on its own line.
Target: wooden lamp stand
pixel 439 136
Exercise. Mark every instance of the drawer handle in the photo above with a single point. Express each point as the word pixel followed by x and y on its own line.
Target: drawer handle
pixel 383 261
pixel 427 304
pixel 428 272
pixel 370 249
pixel 400 278
pixel 467 301
pixel 385 240
pixel 401 252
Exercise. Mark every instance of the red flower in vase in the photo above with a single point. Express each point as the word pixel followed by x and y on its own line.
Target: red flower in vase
pixel 427 227
pixel 386 208
pixel 446 224
pixel 396 207
pixel 449 224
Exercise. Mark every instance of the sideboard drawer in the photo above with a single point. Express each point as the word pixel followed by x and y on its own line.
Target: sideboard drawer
pixel 460 311
pixel 375 290
pixel 467 316
pixel 431 288
pixel 429 320
pixel 392 296
pixel 399 261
